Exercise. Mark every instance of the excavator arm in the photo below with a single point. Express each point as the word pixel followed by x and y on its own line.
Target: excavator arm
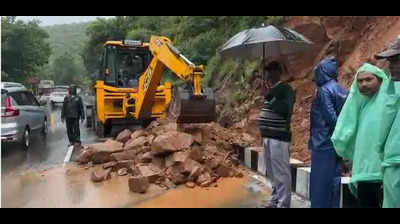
pixel 196 106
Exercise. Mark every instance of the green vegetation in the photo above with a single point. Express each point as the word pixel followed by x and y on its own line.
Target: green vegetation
pixel 23 49
pixel 69 53
pixel 198 37
pixel 52 52
pixel 65 63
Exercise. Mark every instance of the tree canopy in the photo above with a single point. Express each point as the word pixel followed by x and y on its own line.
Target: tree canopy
pixel 23 48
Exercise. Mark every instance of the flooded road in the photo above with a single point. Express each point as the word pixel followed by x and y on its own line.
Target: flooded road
pixel 70 187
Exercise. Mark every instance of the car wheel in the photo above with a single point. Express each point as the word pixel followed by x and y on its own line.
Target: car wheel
pixel 26 139
pixel 45 129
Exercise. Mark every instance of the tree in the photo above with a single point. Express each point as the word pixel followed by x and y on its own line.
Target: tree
pixel 100 31
pixel 24 48
pixel 65 70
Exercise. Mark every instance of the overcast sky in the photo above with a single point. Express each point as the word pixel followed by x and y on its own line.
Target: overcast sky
pixel 53 20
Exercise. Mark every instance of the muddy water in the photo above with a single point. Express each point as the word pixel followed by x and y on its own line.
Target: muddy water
pixel 231 192
pixel 71 187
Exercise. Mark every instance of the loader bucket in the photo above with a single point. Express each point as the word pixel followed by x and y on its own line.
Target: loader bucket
pixel 186 108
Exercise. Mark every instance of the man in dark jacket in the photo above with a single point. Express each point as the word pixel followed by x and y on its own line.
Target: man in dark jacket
pixel 72 111
pixel 325 164
pixel 274 124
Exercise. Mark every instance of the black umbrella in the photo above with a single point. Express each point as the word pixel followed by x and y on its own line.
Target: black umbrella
pixel 266 42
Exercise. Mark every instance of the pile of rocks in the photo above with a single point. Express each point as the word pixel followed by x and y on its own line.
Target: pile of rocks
pixel 168 154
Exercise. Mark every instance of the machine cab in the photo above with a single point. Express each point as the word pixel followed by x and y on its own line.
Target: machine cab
pixel 123 62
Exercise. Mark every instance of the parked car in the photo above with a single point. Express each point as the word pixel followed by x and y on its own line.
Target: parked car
pixel 21 115
pixel 58 95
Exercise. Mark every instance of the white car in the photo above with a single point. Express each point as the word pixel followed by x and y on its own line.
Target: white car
pixel 57 96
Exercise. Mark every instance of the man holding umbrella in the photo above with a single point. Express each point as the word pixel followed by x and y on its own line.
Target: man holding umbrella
pixel 268 42
pixel 274 125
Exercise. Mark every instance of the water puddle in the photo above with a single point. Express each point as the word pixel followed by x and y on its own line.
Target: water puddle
pixel 231 192
pixel 71 187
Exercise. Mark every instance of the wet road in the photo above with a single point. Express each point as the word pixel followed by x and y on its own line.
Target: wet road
pixel 43 153
pixel 37 178
pixel 70 187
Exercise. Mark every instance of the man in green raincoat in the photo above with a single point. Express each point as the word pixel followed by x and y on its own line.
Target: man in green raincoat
pixel 361 132
pixel 391 152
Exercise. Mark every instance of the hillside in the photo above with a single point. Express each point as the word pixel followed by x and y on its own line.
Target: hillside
pixel 67 38
pixel 65 63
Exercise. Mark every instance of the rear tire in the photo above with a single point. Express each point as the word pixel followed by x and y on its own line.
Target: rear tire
pixel 45 129
pixel 26 140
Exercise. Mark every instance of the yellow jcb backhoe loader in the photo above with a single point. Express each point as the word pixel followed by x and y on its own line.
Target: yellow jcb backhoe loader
pixel 128 89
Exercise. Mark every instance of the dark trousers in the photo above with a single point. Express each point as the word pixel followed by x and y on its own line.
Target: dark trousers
pixel 325 179
pixel 73 131
pixel 370 195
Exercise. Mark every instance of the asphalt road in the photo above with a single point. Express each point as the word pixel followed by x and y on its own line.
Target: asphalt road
pixel 43 152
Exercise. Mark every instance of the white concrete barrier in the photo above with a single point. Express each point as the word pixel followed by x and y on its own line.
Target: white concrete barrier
pixel 253 158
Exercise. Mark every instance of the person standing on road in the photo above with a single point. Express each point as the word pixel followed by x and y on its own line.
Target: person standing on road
pixel 391 153
pixel 72 111
pixel 274 125
pixel 325 177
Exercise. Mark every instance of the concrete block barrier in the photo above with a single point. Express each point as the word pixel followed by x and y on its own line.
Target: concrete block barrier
pixel 253 158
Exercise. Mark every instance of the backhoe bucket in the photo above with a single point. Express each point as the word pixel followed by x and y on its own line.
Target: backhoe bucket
pixel 186 108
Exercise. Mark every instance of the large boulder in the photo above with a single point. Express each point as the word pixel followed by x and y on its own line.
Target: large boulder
pixel 100 157
pixel 100 175
pixel 138 133
pixel 100 152
pixel 193 168
pixel 204 180
pixel 138 184
pixel 133 144
pixel 158 162
pixel 85 156
pixel 110 146
pixel 109 164
pixel 171 142
pixel 196 133
pixel 123 164
pixel 124 136
pixel 178 157
pixel 197 154
pixel 147 157
pixel 225 171
pixel 176 174
pixel 152 173
pixel 125 155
